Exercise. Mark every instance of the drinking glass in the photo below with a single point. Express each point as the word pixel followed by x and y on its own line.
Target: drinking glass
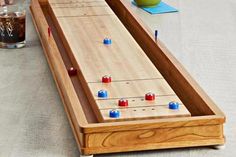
pixel 12 23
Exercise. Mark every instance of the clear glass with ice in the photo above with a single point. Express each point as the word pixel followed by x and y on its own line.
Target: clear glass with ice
pixel 12 23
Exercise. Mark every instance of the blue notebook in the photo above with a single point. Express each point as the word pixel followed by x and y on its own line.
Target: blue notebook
pixel 159 9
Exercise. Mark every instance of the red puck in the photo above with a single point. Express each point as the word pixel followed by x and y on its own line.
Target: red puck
pixel 123 103
pixel 106 79
pixel 72 71
pixel 150 96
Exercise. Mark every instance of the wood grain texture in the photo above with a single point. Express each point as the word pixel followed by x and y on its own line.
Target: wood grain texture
pixel 137 102
pixel 191 94
pixel 132 89
pixel 56 64
pixel 119 60
pixel 82 10
pixel 204 128
pixel 155 123
pixel 61 77
pixel 77 4
pixel 151 112
pixel 154 146
pixel 154 139
pixel 153 136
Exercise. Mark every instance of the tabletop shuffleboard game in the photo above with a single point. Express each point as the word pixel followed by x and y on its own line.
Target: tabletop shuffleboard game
pixel 121 88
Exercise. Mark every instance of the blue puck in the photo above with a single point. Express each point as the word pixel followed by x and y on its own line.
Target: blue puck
pixel 107 41
pixel 114 113
pixel 174 105
pixel 102 94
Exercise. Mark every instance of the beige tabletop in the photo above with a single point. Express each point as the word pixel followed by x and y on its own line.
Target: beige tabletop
pixel 202 36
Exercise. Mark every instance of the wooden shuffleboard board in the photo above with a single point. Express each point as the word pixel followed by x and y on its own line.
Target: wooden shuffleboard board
pixel 85 24
pixel 72 34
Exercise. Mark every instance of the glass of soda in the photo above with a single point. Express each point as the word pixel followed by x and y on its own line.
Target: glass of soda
pixel 12 23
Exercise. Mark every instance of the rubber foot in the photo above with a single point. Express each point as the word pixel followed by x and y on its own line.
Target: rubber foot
pixel 218 147
pixel 86 155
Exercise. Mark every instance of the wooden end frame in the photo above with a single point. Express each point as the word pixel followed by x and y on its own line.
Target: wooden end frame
pixel 84 131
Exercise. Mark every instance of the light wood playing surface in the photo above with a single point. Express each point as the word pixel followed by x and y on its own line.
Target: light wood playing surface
pixel 137 102
pixel 132 89
pixel 161 111
pixel 85 36
pixel 85 24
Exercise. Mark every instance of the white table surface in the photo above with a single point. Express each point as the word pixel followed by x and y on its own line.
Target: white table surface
pixel 202 36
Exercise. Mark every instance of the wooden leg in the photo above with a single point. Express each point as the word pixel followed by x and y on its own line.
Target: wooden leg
pixel 218 147
pixel 86 155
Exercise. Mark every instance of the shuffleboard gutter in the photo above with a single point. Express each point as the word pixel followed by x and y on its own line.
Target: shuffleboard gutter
pixel 179 79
